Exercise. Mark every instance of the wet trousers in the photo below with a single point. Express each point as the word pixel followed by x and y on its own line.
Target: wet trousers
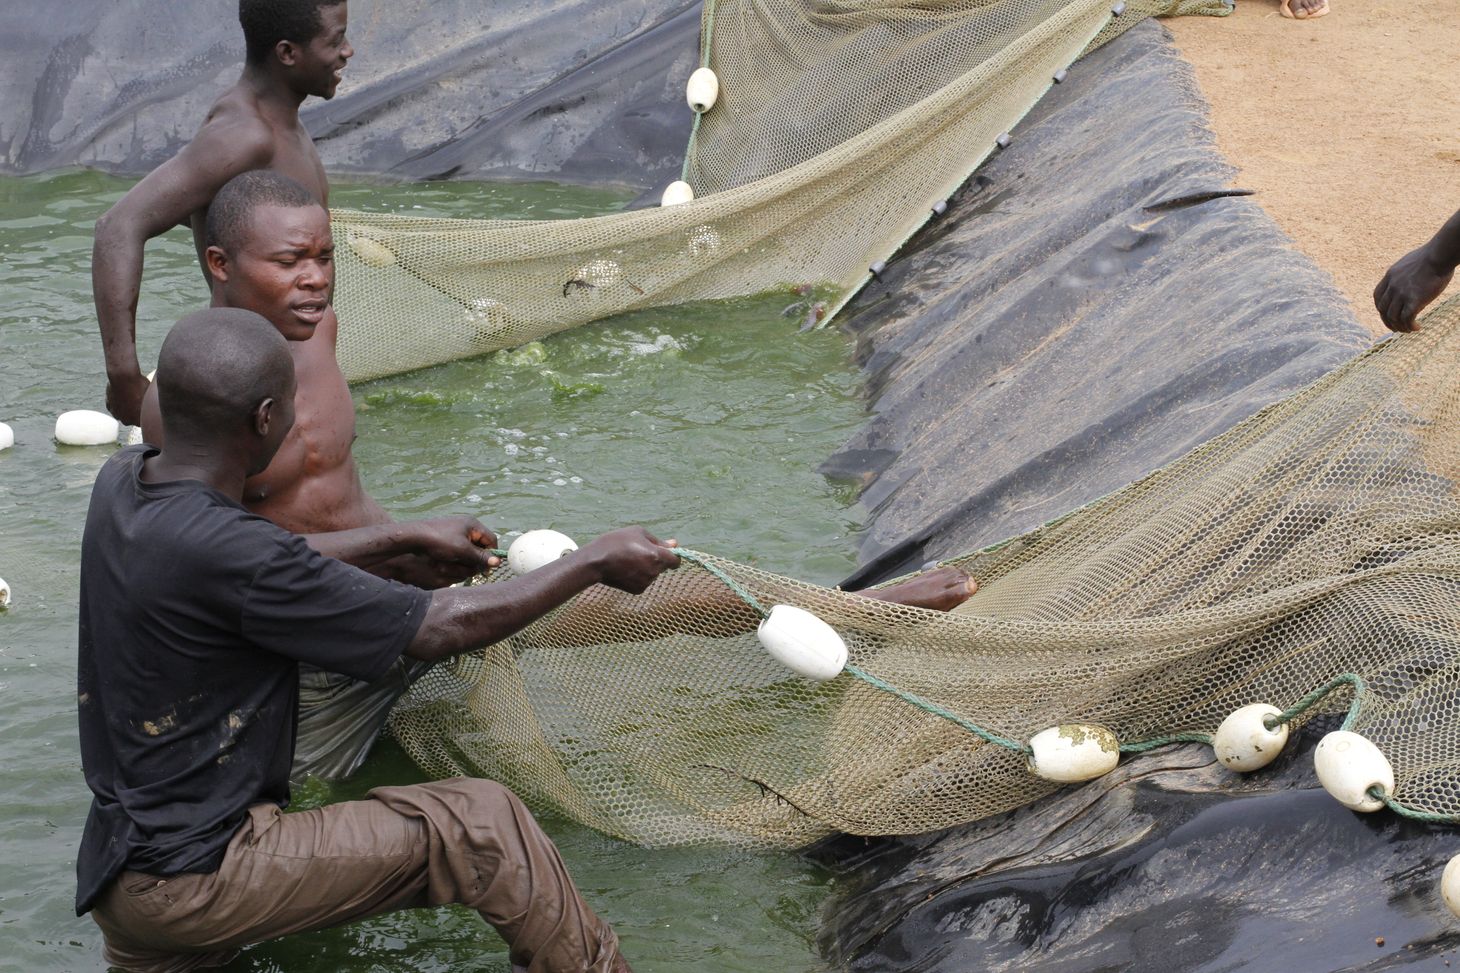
pixel 464 840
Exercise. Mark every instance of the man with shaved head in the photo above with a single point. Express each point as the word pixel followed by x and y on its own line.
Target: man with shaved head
pixel 195 617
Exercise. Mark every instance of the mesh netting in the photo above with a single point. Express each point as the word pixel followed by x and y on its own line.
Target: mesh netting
pixel 1320 537
pixel 839 126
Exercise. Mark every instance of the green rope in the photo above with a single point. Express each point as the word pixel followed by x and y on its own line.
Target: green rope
pixel 1429 817
pixel 936 710
pixel 729 582
pixel 926 705
pixel 1317 696
pixel 691 151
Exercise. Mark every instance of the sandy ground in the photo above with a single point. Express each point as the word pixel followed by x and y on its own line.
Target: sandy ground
pixel 1348 126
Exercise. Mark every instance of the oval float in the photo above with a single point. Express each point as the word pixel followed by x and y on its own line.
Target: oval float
pixel 803 643
pixel 702 91
pixel 1244 743
pixel 1072 752
pixel 677 192
pixel 1450 885
pixel 83 427
pixel 1348 765
pixel 537 548
pixel 7 436
pixel 372 253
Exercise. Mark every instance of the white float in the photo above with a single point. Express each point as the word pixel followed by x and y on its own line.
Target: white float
pixel 1450 885
pixel 538 548
pixel 1348 765
pixel 372 253
pixel 1073 752
pixel 7 436
pixel 677 192
pixel 1243 742
pixel 702 91
pixel 803 643
pixel 83 427
pixel 4 593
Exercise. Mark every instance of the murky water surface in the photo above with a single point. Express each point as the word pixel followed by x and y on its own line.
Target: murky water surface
pixel 705 424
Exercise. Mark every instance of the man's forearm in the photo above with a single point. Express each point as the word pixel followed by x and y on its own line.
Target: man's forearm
pixel 116 280
pixel 366 548
pixel 463 619
pixel 1443 250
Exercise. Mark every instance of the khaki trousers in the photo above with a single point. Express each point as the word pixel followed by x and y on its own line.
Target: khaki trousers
pixel 464 840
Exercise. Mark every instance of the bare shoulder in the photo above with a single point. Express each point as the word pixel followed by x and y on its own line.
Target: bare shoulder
pixel 235 135
pixel 329 330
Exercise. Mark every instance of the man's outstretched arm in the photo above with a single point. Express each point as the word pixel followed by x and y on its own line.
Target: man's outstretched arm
pixel 168 196
pixel 463 619
pixel 461 546
pixel 1418 277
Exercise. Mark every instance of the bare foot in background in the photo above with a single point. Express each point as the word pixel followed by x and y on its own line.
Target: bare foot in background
pixel 1303 9
pixel 940 590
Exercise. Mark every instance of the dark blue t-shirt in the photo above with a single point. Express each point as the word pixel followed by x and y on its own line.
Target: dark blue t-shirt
pixel 195 615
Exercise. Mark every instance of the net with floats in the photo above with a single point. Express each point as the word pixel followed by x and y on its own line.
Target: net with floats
pixel 1309 559
pixel 838 128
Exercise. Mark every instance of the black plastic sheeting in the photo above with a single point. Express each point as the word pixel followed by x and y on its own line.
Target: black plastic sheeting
pixel 573 91
pixel 1092 306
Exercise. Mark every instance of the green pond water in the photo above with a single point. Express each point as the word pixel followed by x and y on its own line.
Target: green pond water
pixel 705 424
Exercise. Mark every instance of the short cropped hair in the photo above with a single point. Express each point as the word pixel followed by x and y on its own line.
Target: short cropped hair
pixel 267 22
pixel 216 365
pixel 230 210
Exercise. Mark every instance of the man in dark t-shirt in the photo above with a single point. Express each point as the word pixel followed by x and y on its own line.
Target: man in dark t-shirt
pixel 195 615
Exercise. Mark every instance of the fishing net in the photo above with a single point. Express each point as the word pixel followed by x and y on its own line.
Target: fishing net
pixel 839 126
pixel 1316 544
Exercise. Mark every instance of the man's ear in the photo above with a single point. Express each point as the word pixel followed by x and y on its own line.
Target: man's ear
pixel 263 414
pixel 287 52
pixel 217 263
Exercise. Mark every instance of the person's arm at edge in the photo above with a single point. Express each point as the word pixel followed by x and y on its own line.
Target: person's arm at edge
pixel 1418 277
pixel 462 540
pixel 167 197
pixel 463 619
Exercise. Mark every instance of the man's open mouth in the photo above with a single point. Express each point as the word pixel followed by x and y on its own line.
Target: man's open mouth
pixel 310 312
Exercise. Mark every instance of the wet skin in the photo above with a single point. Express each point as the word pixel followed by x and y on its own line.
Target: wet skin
pixel 284 270
pixel 282 267
pixel 253 125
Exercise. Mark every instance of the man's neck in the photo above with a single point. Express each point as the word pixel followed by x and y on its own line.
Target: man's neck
pixel 209 464
pixel 275 98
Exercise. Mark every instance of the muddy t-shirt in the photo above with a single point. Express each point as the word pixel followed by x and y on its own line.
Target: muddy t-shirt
pixel 195 615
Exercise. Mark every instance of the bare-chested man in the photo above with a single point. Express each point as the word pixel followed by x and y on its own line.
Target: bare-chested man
pixel 295 48
pixel 268 249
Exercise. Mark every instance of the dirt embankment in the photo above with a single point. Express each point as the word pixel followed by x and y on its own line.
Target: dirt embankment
pixel 1348 126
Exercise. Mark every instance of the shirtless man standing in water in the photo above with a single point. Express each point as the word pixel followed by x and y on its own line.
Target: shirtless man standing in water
pixel 295 48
